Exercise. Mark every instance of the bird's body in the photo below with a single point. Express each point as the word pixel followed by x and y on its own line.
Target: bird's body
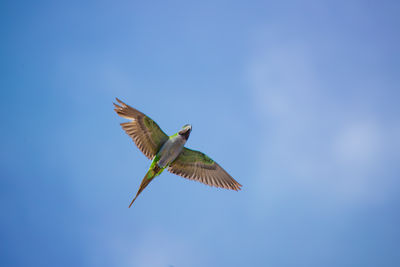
pixel 169 152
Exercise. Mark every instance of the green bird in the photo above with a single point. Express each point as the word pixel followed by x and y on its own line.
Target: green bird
pixel 170 152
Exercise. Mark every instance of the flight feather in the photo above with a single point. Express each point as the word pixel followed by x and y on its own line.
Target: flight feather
pixel 146 134
pixel 195 165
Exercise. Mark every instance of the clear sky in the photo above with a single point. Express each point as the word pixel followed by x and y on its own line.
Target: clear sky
pixel 297 100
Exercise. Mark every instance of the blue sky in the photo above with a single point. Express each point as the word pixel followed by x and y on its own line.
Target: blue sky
pixel 298 100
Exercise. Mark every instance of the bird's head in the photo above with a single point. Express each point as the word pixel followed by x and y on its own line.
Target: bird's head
pixel 185 131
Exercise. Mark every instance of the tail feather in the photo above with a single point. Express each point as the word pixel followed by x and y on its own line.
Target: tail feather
pixel 143 185
pixel 150 175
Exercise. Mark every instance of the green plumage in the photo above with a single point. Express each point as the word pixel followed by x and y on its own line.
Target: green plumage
pixel 169 152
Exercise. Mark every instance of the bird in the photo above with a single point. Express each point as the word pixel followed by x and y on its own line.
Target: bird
pixel 169 152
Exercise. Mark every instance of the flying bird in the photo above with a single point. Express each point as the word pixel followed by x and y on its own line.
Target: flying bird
pixel 169 152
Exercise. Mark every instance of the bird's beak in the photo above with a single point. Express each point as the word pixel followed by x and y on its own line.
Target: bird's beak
pixel 189 129
pixel 186 131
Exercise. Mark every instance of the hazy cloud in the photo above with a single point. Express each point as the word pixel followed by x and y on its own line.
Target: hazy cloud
pixel 322 143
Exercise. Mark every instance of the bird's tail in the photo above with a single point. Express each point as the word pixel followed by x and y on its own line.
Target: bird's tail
pixel 150 175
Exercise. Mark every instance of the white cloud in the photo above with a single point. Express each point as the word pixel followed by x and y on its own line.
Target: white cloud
pixel 358 144
pixel 317 141
pixel 152 248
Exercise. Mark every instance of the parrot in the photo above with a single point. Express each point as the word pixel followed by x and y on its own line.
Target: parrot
pixel 169 152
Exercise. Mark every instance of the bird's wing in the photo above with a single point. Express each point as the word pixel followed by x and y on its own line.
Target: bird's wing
pixel 198 166
pixel 146 134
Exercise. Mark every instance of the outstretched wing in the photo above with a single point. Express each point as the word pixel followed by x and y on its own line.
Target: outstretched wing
pixel 198 166
pixel 146 134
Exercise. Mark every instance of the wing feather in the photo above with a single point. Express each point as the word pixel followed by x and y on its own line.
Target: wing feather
pixel 197 166
pixel 145 133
